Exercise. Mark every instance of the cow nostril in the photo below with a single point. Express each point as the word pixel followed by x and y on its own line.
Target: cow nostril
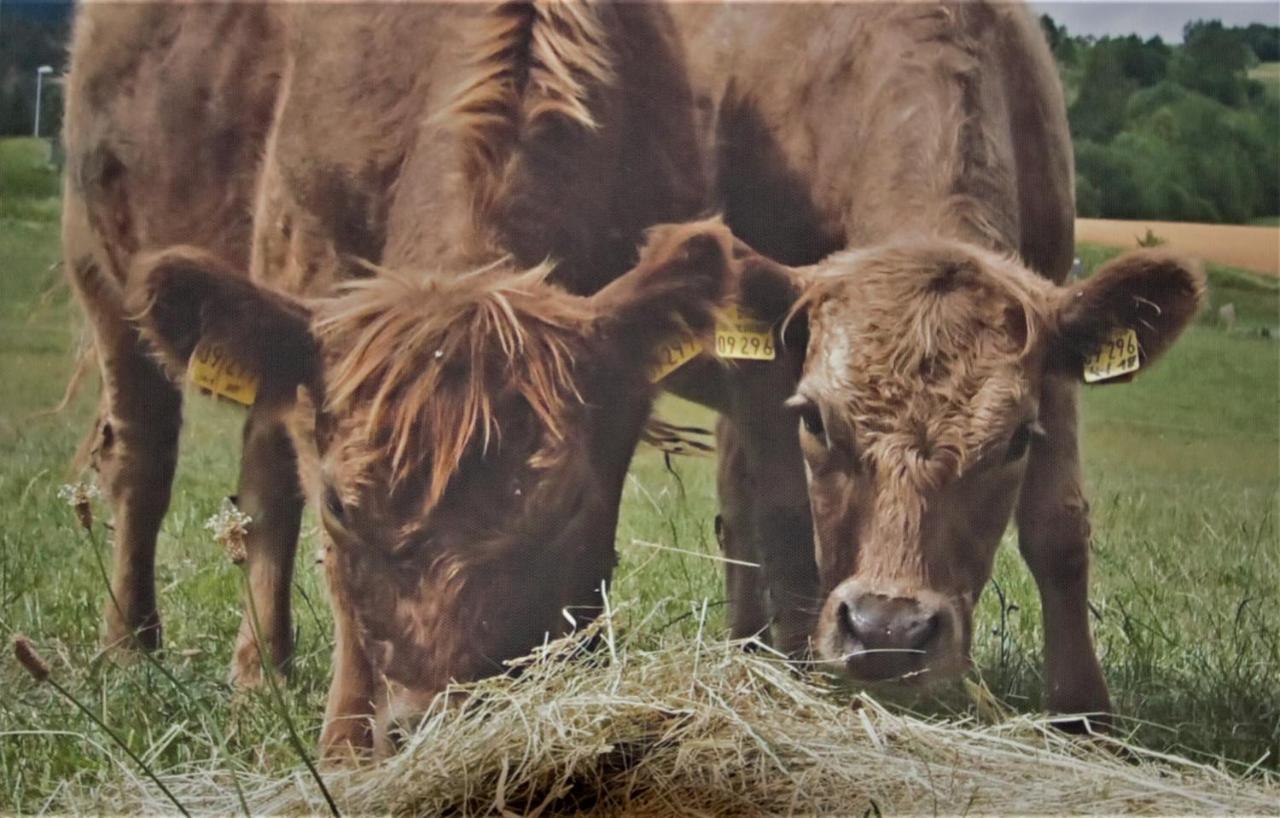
pixel 844 618
pixel 884 623
pixel 922 630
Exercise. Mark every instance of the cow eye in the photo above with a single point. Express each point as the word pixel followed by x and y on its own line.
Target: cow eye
pixel 1019 443
pixel 333 505
pixel 812 420
pixel 810 417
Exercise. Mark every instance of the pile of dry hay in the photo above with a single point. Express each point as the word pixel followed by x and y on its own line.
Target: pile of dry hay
pixel 707 728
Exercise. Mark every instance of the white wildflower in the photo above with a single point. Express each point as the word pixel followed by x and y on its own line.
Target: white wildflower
pixel 230 527
pixel 80 496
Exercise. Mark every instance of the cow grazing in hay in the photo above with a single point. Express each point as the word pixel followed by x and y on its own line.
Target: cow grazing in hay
pixel 912 164
pixel 465 435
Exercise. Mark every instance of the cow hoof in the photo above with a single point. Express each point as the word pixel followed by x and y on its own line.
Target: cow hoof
pixel 246 666
pixel 123 639
pixel 346 741
pixel 245 676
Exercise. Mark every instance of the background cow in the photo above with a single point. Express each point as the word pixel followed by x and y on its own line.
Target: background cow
pixel 917 157
pixel 203 78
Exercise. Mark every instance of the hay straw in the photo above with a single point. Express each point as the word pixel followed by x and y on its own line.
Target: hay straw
pixel 704 727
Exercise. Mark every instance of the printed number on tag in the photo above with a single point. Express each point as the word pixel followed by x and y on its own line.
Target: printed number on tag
pixel 1117 356
pixel 214 371
pixel 741 335
pixel 674 353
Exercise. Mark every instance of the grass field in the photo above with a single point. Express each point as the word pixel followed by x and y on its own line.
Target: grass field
pixel 1268 72
pixel 1184 475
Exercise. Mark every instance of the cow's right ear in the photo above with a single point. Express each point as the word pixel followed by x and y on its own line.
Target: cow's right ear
pixel 183 297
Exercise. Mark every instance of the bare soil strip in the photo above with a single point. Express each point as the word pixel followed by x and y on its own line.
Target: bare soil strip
pixel 1252 248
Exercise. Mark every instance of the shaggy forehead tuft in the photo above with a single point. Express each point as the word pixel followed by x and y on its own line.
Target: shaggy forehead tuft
pixel 924 345
pixel 420 368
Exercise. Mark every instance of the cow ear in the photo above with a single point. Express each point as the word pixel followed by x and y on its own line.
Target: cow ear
pixel 770 291
pixel 184 297
pixel 685 273
pixel 1151 292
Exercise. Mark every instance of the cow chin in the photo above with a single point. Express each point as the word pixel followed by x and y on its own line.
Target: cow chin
pixel 893 636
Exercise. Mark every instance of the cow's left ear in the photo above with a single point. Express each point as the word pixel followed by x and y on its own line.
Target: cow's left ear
pixel 685 273
pixel 1152 292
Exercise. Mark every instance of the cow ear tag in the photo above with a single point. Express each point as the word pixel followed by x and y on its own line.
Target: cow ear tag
pixel 1118 356
pixel 215 372
pixel 674 353
pixel 739 335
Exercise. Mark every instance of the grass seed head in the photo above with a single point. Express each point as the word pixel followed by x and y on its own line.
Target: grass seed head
pixel 29 658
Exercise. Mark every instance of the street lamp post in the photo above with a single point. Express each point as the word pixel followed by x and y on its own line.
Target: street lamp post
pixel 40 72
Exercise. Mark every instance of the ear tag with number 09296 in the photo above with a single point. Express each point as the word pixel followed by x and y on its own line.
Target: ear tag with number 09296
pixel 739 335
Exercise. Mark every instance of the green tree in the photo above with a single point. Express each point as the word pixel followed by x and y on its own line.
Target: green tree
pixel 1213 60
pixel 1098 111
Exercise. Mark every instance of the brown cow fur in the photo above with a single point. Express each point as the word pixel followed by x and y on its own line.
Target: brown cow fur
pixel 465 437
pixel 202 78
pixel 481 143
pixel 930 142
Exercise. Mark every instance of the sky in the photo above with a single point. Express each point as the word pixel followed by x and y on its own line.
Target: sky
pixel 1105 17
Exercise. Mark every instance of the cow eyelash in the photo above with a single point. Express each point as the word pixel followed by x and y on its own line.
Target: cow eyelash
pixel 812 420
pixel 333 505
pixel 1020 441
pixel 810 416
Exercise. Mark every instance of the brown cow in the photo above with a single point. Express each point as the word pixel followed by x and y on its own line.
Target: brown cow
pixel 916 155
pixel 464 434
pixel 168 107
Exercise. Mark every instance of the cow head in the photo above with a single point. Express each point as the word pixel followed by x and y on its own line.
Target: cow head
pixel 464 438
pixel 919 374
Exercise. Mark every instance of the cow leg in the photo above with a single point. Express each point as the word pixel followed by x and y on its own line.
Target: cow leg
pixel 1053 535
pixel 744 584
pixel 270 494
pixel 780 523
pixel 135 452
pixel 349 712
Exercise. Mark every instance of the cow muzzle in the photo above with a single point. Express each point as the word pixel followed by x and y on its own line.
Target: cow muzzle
pixel 884 635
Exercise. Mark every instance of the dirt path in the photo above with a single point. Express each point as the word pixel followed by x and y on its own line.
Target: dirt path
pixel 1253 248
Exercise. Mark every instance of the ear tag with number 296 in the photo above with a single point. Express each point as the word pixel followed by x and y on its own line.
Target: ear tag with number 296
pixel 1117 356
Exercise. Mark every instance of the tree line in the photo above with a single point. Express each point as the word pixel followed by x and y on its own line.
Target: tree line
pixel 1161 131
pixel 1177 132
pixel 32 35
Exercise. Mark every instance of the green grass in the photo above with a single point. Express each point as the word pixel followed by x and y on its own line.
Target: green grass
pixel 1184 479
pixel 28 188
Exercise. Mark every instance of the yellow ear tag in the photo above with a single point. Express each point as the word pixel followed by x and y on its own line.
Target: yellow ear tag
pixel 674 353
pixel 739 334
pixel 214 371
pixel 1117 356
